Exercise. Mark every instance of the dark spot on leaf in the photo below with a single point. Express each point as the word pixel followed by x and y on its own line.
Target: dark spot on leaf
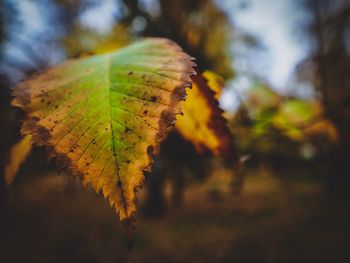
pixel 150 150
pixel 106 129
pixel 145 112
pixel 130 73
pixel 127 129
pixel 127 161
pixel 154 98
pixel 87 164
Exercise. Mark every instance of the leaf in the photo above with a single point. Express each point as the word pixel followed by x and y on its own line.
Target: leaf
pixel 18 154
pixel 215 82
pixel 103 117
pixel 202 122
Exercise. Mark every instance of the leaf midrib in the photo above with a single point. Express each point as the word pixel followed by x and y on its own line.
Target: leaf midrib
pixel 119 185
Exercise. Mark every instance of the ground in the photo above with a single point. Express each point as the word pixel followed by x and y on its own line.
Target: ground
pixel 52 218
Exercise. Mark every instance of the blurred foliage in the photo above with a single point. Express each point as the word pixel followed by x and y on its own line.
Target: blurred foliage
pixel 301 119
pixel 84 41
pixel 189 21
pixel 185 22
pixel 269 123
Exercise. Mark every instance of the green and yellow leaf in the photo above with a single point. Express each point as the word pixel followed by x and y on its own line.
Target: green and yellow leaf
pixel 103 117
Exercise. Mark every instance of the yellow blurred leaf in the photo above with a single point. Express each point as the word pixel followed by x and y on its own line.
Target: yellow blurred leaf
pixel 18 155
pixel 202 122
pixel 215 82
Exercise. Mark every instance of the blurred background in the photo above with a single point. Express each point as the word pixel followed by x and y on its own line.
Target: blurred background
pixel 286 97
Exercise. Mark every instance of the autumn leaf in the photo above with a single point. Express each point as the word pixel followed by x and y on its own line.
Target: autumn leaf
pixel 18 155
pixel 215 82
pixel 202 122
pixel 103 117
